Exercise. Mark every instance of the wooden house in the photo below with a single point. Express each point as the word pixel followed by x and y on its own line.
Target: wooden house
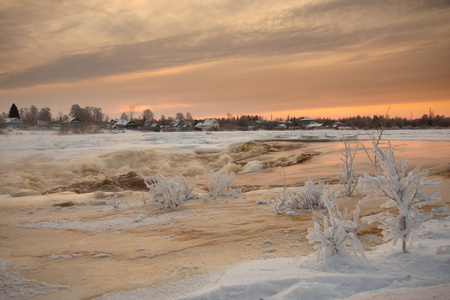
pixel 72 124
pixel 15 123
pixel 208 124
pixel 125 124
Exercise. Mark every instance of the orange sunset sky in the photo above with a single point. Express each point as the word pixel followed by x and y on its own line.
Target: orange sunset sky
pixel 328 58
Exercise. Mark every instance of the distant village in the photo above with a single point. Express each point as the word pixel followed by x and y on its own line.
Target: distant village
pixel 92 119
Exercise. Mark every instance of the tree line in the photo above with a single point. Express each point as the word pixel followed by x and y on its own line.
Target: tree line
pixel 91 115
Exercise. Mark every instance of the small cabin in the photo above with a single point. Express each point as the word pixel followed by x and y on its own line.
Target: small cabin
pixel 208 124
pixel 72 124
pixel 124 124
pixel 181 125
pixel 15 123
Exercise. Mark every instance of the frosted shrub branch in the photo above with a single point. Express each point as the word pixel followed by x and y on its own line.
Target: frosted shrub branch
pixel 169 193
pixel 115 201
pixel 333 235
pixel 343 216
pixel 281 198
pixel 220 186
pixel 308 197
pixel 186 190
pixel 376 140
pixel 348 175
pixel 402 191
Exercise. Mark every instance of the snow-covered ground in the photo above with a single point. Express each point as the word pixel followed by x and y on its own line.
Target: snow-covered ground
pixel 423 273
pixel 394 275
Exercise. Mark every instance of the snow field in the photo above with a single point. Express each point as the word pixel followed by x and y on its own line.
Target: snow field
pixel 296 278
pixel 393 274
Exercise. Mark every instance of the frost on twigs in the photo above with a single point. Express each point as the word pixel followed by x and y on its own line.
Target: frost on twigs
pixel 402 191
pixel 348 175
pixel 115 201
pixel 220 186
pixel 333 235
pixel 353 216
pixel 169 193
pixel 281 199
pixel 308 197
pixel 144 199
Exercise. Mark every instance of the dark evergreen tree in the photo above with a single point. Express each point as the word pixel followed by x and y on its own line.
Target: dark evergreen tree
pixel 13 112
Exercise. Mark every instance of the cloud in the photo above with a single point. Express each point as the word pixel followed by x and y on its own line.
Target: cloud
pixel 316 27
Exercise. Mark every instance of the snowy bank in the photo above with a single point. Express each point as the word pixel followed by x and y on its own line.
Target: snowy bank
pixel 394 275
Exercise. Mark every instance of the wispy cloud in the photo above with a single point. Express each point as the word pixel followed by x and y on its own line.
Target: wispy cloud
pixel 316 27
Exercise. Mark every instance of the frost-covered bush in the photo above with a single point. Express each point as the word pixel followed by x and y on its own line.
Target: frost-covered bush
pixel 144 199
pixel 169 193
pixel 186 190
pixel 308 197
pixel 114 200
pixel 334 236
pixel 280 201
pixel 220 186
pixel 348 175
pixel 345 215
pixel 402 191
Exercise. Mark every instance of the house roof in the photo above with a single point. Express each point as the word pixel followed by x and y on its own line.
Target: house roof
pixel 122 122
pixel 72 119
pixel 176 122
pixel 314 125
pixel 209 122
pixel 13 120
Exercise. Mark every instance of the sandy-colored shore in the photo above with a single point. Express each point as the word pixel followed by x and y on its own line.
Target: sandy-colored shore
pixel 88 250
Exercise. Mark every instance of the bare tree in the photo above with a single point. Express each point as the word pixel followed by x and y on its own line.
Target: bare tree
pixel 148 114
pixel 124 116
pixel 23 114
pixel 180 116
pixel 97 115
pixel 75 111
pixel 131 111
pixel 32 115
pixel 376 139
pixel 45 115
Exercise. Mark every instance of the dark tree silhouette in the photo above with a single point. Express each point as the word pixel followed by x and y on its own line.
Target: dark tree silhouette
pixel 13 112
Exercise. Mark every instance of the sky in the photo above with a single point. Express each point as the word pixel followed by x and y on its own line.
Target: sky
pixel 328 58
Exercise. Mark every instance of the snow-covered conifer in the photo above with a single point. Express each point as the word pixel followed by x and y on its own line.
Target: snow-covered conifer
pixel 348 175
pixel 334 236
pixel 404 192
